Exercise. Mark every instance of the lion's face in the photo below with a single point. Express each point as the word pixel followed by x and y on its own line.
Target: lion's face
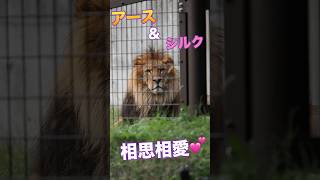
pixel 156 72
pixel 154 84
pixel 156 77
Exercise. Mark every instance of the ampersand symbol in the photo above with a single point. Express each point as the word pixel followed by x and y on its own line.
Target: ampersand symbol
pixel 154 34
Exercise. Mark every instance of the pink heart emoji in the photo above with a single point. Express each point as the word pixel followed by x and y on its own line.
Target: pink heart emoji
pixel 195 147
pixel 202 140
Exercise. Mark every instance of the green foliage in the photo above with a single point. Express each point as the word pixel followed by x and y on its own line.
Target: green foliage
pixel 17 160
pixel 155 129
pixel 114 115
pixel 240 165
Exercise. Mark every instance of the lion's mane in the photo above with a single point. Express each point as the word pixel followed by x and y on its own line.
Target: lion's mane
pixel 73 136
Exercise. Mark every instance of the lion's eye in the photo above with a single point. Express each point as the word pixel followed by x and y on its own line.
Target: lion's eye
pixel 161 70
pixel 148 71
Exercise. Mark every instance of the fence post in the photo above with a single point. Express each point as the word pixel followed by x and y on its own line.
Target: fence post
pixel 195 62
pixel 217 134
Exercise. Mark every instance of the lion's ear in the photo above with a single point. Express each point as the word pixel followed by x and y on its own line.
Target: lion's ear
pixel 171 70
pixel 138 60
pixel 167 59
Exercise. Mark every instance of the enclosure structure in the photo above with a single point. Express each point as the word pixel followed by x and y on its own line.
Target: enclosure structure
pixel 129 39
pixel 35 35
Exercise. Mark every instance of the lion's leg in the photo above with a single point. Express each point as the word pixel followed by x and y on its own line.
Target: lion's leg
pixel 129 109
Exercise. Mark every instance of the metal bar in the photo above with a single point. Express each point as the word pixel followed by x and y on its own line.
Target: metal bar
pixel 106 103
pixel 55 68
pixel 39 58
pixel 24 79
pixel 196 25
pixel 314 67
pixel 71 51
pixel 9 143
pixel 183 22
pixel 115 4
pixel 126 55
pixel 119 34
pixel 31 57
pixel 87 74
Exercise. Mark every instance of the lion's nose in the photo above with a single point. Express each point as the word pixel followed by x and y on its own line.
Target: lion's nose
pixel 157 80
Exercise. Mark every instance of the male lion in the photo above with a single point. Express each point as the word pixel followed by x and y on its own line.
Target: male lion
pixel 73 138
pixel 153 87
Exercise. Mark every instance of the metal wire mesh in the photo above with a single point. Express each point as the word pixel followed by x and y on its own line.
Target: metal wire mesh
pixel 129 39
pixel 32 42
pixel 34 35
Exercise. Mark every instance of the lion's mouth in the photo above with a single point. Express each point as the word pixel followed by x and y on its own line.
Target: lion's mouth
pixel 157 89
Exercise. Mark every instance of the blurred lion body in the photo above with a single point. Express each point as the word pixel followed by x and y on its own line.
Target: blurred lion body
pixel 73 137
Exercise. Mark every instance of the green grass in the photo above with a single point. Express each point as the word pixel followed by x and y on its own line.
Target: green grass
pixel 4 159
pixel 17 160
pixel 155 129
pixel 114 116
pixel 240 164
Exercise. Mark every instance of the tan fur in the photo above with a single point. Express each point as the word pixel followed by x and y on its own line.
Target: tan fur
pixel 79 105
pixel 141 82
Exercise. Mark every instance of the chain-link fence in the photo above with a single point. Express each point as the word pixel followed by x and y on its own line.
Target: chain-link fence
pixel 129 40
